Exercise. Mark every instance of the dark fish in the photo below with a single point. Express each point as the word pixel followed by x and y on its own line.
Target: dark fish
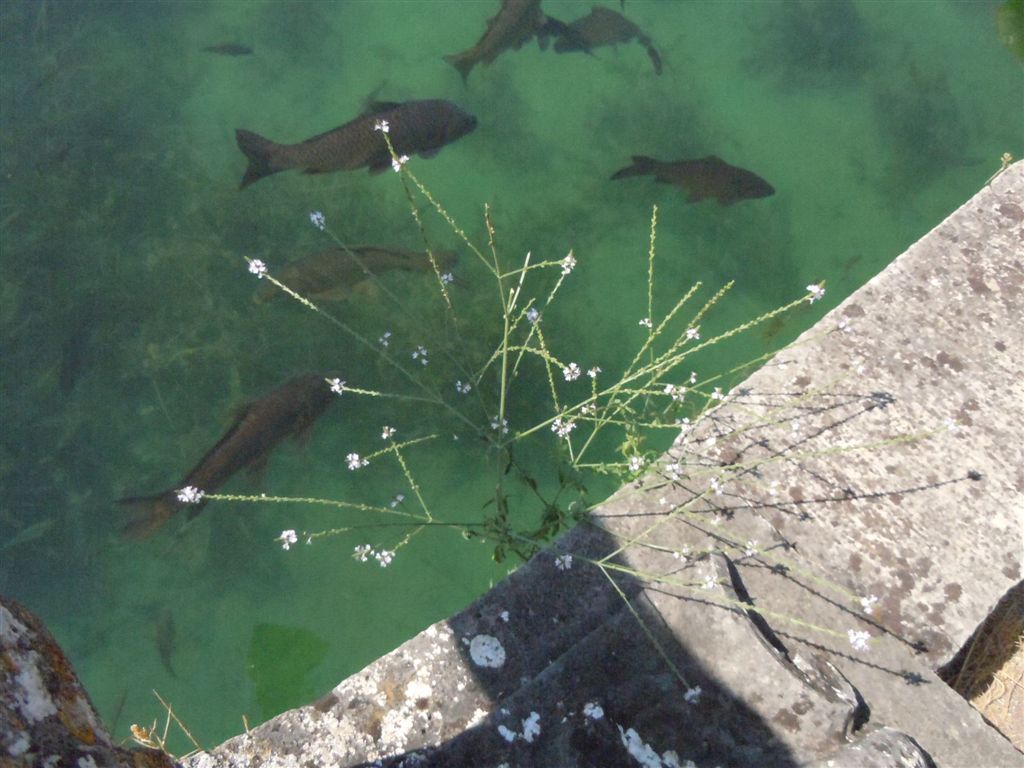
pixel 421 127
pixel 228 49
pixel 604 27
pixel 337 273
pixel 166 641
pixel 709 177
pixel 289 410
pixel 513 25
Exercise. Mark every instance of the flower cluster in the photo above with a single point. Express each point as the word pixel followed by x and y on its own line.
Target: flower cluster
pixel 858 639
pixel 571 372
pixel 816 292
pixel 562 428
pixel 387 433
pixel 636 463
pixel 382 126
pixel 337 385
pixel 364 552
pixel 398 162
pixel 420 353
pixel 355 461
pixel 257 267
pixel 563 562
pixel 384 339
pixel 568 263
pixel 693 334
pixel 676 392
pixel 316 218
pixel 463 387
pixel 532 315
pixel 501 425
pixel 692 695
pixel 190 495
pixel 447 278
pixel 646 323
pixel 287 538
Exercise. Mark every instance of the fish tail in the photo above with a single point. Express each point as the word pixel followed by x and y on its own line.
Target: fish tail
pixel 151 513
pixel 262 155
pixel 641 167
pixel 462 63
pixel 654 56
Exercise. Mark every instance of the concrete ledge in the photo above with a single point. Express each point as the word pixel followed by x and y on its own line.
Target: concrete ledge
pixel 717 628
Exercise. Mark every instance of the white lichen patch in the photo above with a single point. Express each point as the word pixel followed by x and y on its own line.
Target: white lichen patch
pixel 11 630
pixel 593 710
pixel 417 689
pixel 645 754
pixel 30 694
pixel 487 651
pixel 531 727
pixel 507 734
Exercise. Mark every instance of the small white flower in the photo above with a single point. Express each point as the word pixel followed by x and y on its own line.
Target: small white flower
pixel 387 433
pixel 674 470
pixel 257 267
pixel 951 425
pixel 636 463
pixel 398 162
pixel 563 562
pixel 532 315
pixel 355 461
pixel 502 425
pixel 717 394
pixel 568 263
pixel 190 495
pixel 709 582
pixel 337 385
pixel 816 291
pixel 362 552
pixel 420 353
pixel 287 538
pixel 385 339
pixel 571 372
pixel 384 557
pixel 751 548
pixel 868 604
pixel 447 278
pixel 399 498
pixel 646 323
pixel 693 377
pixel 773 488
pixel 593 710
pixel 316 218
pixel 683 553
pixel 716 486
pixel 382 126
pixel 592 372
pixel 463 387
pixel 858 639
pixel 693 334
pixel 589 409
pixel 504 616
pixel 675 391
pixel 692 695
pixel 562 428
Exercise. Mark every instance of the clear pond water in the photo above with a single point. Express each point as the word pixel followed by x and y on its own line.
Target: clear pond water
pixel 130 335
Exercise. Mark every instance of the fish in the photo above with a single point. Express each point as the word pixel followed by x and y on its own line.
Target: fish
pixel 703 179
pixel 336 274
pixel 509 29
pixel 415 127
pixel 166 640
pixel 288 411
pixel 228 49
pixel 604 27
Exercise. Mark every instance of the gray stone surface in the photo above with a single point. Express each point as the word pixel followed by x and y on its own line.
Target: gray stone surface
pixel 880 455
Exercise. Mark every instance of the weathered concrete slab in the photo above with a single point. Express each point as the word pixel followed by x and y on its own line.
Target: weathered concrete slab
pixel 797 516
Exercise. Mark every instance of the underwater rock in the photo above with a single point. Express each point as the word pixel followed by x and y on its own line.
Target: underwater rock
pixel 46 716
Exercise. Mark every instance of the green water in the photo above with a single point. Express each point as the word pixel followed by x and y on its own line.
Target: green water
pixel 129 334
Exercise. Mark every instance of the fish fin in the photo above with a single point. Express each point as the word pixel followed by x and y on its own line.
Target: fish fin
pixel 641 166
pixel 376 107
pixel 261 154
pixel 655 58
pixel 461 62
pixel 151 513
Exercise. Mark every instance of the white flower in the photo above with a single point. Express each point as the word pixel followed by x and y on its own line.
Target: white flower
pixel 816 291
pixel 636 463
pixel 676 392
pixel 420 353
pixel 692 695
pixel 190 495
pixel 316 218
pixel 502 425
pixel 447 278
pixel 563 562
pixel 568 263
pixel 531 727
pixel 571 372
pixel 362 552
pixel 463 388
pixel 674 470
pixel 951 425
pixel 337 385
pixel 716 486
pixel 693 334
pixel 355 461
pixel 398 162
pixel 868 604
pixel 593 710
pixel 399 498
pixel 387 433
pixel 382 126
pixel 257 267
pixel 532 315
pixel 693 377
pixel 384 340
pixel 683 553
pixel 384 557
pixel 589 409
pixel 592 372
pixel 709 582
pixel 562 428
pixel 717 394
pixel 751 549
pixel 858 639
pixel 646 323
pixel 287 538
